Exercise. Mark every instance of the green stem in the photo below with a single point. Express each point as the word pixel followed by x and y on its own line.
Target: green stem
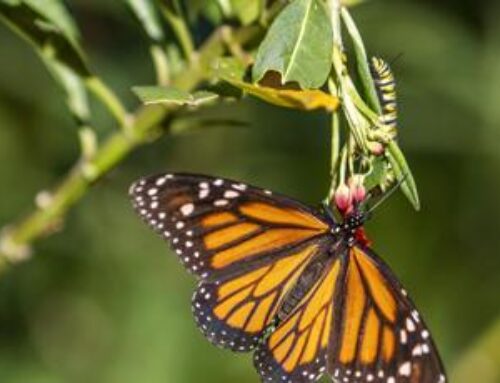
pixel 335 142
pixel 160 62
pixel 334 6
pixel 109 99
pixel 181 31
pixel 147 123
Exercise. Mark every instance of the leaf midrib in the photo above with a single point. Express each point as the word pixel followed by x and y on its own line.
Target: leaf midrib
pixel 299 40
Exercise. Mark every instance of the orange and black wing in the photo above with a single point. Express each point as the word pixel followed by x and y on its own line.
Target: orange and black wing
pixel 378 334
pixel 297 348
pixel 218 226
pixel 235 311
pixel 248 245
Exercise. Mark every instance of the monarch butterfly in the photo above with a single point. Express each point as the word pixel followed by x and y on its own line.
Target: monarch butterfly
pixel 295 284
pixel 385 84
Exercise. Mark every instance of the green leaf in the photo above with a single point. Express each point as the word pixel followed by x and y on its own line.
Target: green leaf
pixel 210 9
pixel 172 96
pixel 298 45
pixel 377 174
pixel 247 11
pixel 76 93
pixel 48 26
pixel 402 171
pixel 147 14
pixel 352 3
pixel 229 68
pixel 362 65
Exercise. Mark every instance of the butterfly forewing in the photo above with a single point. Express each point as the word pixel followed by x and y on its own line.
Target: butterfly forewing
pixel 378 334
pixel 218 226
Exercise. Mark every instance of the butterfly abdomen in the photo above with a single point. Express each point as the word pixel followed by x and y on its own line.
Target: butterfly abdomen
pixel 385 85
pixel 310 275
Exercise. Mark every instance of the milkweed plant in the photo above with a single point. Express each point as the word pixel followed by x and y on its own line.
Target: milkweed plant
pixel 300 54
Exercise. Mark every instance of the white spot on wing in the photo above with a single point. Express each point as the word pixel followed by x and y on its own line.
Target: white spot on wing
pixel 204 193
pixel 187 209
pixel 410 325
pixel 231 194
pixel 405 369
pixel 240 187
pixel 161 181
pixel 404 337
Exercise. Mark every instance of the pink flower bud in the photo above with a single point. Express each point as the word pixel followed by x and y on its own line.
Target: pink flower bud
pixel 358 190
pixel 376 148
pixel 343 197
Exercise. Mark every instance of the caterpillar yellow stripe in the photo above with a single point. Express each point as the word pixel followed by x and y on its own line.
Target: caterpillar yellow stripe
pixel 385 85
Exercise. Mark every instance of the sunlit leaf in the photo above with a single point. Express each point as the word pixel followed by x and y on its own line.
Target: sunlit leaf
pixel 289 98
pixel 298 45
pixel 172 96
pixel 246 11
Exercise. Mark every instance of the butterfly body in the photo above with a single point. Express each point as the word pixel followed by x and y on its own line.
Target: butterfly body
pixel 297 286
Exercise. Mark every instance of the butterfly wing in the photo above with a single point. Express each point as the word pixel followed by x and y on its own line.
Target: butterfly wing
pixel 296 351
pixel 379 335
pixel 356 321
pixel 249 247
pixel 218 226
pixel 235 311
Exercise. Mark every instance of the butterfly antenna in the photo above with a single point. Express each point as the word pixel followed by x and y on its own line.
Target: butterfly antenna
pixel 396 59
pixel 387 195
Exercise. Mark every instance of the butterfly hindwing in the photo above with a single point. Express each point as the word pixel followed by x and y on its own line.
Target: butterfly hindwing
pixel 379 335
pixel 296 351
pixel 217 226
pixel 234 312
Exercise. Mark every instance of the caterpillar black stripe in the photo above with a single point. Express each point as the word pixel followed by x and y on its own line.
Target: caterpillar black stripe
pixel 385 85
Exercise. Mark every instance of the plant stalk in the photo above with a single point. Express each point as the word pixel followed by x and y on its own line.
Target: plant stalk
pixel 147 123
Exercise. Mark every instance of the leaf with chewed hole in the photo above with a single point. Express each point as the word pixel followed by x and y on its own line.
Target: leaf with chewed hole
pixel 298 45
pixel 172 96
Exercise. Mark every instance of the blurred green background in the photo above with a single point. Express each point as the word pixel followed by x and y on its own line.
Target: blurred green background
pixel 106 301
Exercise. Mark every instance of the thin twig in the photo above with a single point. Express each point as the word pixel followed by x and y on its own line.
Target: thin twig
pixel 147 123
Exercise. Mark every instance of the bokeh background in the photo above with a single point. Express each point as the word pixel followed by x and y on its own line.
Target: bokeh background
pixel 106 301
